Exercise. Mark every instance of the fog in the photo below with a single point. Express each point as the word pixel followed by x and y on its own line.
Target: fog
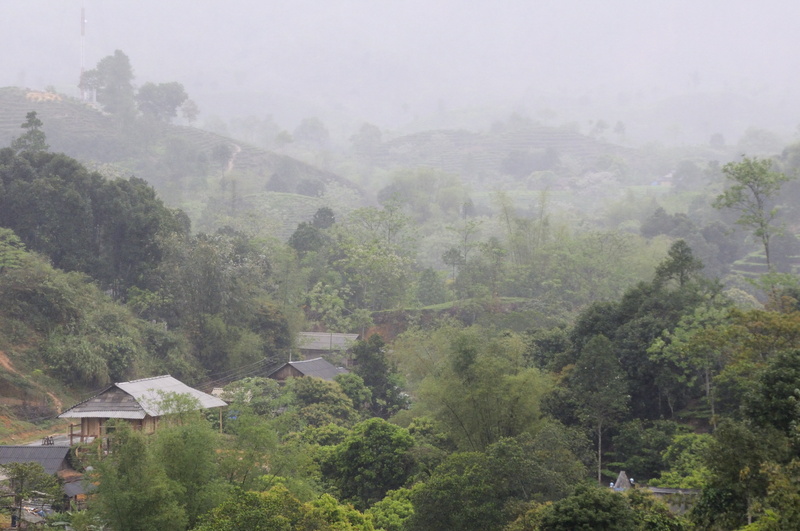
pixel 674 71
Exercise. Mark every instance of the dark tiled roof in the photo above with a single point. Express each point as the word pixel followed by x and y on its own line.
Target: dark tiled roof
pixel 52 458
pixel 316 368
pixel 74 488
pixel 112 402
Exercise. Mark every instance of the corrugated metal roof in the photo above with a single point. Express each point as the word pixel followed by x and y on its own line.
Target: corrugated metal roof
pixel 102 414
pixel 149 392
pixel 326 341
pixel 137 398
pixel 52 458
pixel 316 368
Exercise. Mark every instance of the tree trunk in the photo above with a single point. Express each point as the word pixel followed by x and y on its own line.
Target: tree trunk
pixel 710 398
pixel 600 454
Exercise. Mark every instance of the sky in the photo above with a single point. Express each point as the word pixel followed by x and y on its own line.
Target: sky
pixel 395 62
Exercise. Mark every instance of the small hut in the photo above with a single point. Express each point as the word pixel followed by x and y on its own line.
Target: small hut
pixel 622 483
pixel 138 401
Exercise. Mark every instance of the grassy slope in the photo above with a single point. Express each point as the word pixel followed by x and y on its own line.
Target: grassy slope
pixel 87 134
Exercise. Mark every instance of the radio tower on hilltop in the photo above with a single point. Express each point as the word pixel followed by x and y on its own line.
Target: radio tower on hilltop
pixel 84 89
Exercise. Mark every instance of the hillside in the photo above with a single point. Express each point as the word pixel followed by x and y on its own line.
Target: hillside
pixel 514 150
pixel 190 168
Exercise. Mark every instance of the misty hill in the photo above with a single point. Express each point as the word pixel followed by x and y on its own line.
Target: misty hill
pixel 196 170
pixel 511 151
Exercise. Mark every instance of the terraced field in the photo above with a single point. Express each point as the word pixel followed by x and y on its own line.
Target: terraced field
pixel 475 155
pixel 69 123
pixel 754 264
pixel 182 163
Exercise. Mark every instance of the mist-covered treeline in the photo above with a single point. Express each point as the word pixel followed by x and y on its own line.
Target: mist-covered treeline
pixel 540 305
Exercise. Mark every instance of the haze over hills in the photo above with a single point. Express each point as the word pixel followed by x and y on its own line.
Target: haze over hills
pixel 568 234
pixel 218 179
pixel 414 66
pixel 185 164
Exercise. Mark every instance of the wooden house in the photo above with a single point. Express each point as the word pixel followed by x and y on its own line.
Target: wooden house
pixel 139 402
pixel 316 368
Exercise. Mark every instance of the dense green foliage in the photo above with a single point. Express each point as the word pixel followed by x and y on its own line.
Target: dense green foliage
pixel 753 192
pixel 518 348
pixel 110 230
pixel 370 462
pixel 134 491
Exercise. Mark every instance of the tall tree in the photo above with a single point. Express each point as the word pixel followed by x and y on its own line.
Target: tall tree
pixel 589 508
pixel 680 265
pixel 753 190
pixel 133 491
pixel 29 479
pixel 188 453
pixel 33 139
pixel 306 238
pixel 371 461
pixel 162 100
pixel 379 375
pixel 324 218
pixel 312 132
pixel 108 229
pixel 474 383
pixel 735 458
pixel 112 79
pixel 460 494
pixel 692 354
pixel 600 390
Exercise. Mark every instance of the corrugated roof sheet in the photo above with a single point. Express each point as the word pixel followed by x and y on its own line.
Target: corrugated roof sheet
pixel 326 341
pixel 137 398
pixel 52 458
pixel 149 392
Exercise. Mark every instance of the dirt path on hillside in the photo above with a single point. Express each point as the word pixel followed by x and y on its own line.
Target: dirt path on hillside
pixel 56 401
pixel 7 365
pixel 236 150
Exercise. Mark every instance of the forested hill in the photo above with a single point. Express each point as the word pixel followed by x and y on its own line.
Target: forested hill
pixel 100 281
pixel 189 167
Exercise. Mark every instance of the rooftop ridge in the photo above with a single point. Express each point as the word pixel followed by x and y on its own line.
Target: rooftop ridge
pixel 328 333
pixel 34 446
pixel 145 379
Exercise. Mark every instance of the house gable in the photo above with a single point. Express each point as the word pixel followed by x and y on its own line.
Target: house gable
pixel 316 368
pixel 137 399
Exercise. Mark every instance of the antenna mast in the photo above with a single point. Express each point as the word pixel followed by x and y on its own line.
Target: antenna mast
pixel 83 54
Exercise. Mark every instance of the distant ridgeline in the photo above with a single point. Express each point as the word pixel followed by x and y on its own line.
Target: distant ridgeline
pixel 186 165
